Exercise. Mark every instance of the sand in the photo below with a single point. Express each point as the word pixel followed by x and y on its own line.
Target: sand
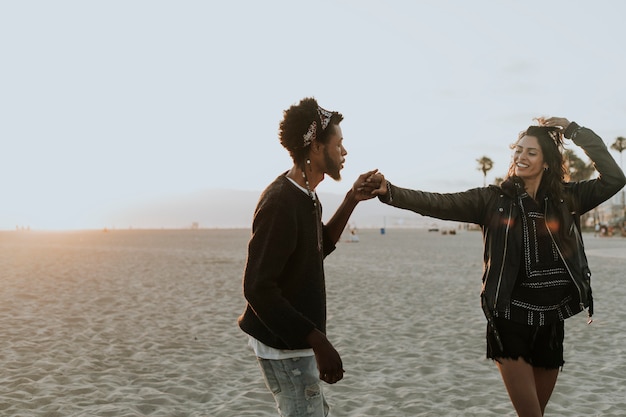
pixel 143 323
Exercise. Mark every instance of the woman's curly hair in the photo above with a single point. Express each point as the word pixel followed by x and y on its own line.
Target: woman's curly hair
pixel 296 123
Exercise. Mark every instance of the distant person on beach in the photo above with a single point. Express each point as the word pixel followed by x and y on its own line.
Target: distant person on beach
pixel 535 269
pixel 283 280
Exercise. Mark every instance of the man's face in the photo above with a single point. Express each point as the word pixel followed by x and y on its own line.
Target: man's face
pixel 334 153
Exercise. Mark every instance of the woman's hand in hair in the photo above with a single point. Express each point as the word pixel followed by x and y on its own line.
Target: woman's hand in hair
pixel 561 122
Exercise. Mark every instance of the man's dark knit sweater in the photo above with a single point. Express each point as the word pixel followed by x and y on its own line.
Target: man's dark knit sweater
pixel 283 280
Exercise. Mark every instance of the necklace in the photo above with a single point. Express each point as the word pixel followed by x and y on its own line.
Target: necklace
pixel 317 214
pixel 308 189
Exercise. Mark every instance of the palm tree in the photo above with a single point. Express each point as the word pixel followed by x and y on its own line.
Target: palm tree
pixel 577 169
pixel 619 145
pixel 484 164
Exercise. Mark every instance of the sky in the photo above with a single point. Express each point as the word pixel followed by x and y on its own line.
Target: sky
pixel 110 106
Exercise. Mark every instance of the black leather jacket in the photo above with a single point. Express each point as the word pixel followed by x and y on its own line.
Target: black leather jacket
pixel 496 210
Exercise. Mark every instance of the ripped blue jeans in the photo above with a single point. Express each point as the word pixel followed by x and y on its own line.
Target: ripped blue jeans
pixel 296 386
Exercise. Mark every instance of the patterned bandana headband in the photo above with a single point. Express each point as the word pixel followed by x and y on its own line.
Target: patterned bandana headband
pixel 311 133
pixel 324 116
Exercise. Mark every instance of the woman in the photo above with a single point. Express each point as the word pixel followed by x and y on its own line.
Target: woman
pixel 535 269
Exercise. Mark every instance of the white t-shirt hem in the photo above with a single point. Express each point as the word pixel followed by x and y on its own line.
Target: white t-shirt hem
pixel 263 351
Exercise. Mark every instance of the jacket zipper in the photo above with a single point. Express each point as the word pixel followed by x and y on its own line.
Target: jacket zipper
pixel 506 244
pixel 580 293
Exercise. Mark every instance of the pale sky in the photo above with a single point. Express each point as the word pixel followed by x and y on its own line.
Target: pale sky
pixel 105 105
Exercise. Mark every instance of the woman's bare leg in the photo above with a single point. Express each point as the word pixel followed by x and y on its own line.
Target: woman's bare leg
pixel 545 380
pixel 519 380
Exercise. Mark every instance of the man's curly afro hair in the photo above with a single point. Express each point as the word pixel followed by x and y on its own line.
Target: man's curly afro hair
pixel 295 124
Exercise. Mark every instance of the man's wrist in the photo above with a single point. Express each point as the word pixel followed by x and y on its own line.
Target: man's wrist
pixel 351 196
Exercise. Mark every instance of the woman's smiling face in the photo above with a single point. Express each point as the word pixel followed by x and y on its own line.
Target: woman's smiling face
pixel 528 159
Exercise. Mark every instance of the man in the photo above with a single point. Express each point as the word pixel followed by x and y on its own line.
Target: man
pixel 283 282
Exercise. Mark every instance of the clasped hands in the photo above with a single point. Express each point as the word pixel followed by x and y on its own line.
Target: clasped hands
pixel 370 185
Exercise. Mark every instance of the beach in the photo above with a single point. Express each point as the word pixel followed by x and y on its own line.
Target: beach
pixel 144 323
